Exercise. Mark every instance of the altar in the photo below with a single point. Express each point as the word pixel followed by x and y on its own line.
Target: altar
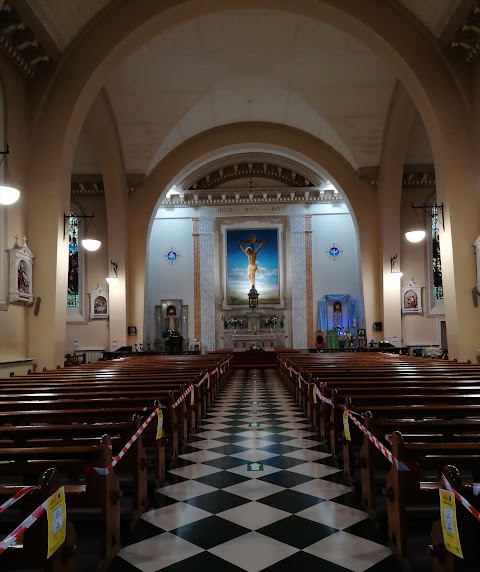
pixel 244 340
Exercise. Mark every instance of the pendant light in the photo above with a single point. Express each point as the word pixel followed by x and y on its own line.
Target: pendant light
pixel 8 194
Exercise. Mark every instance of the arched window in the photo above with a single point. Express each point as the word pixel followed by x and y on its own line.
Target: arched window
pixel 76 270
pixel 436 257
pixel 434 289
pixel 73 294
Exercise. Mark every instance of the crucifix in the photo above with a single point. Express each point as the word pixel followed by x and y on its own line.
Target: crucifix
pixel 251 241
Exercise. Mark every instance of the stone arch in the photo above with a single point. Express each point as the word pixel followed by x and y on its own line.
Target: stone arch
pixel 361 196
pixel 386 27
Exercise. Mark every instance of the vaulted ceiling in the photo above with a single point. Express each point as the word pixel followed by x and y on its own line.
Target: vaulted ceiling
pixel 242 65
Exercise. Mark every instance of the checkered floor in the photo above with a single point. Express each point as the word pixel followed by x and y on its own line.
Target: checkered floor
pixel 254 491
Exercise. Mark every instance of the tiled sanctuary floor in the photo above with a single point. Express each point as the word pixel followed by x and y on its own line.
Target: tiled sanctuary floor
pixel 254 491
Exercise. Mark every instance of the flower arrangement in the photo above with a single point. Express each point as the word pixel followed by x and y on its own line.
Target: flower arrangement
pixel 255 348
pixel 272 321
pixel 233 322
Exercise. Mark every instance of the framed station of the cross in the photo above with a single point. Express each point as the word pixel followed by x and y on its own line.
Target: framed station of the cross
pixel 252 257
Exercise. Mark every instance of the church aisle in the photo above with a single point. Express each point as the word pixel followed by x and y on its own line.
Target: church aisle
pixel 254 491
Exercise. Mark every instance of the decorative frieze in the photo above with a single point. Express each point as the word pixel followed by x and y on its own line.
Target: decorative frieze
pixel 18 42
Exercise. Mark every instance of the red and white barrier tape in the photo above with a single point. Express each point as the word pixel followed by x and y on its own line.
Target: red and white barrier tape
pixel 24 525
pixel 205 377
pixel 400 465
pixel 18 495
pixel 322 397
pixel 472 510
pixel 305 382
pixel 106 470
pixel 182 397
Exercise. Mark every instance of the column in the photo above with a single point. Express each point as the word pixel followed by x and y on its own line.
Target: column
pixel 204 280
pixel 298 226
pixel 308 281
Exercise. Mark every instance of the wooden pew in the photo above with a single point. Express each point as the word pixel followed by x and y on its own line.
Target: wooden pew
pixel 104 415
pixel 406 488
pixel 468 528
pixel 101 492
pixel 133 464
pixel 30 550
pixel 75 403
pixel 372 463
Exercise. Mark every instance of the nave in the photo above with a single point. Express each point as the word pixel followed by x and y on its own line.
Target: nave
pixel 254 490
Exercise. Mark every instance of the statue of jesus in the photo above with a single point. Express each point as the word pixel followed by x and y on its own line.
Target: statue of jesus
pixel 171 319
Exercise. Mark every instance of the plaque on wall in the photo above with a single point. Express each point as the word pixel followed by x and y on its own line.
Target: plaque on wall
pixel 412 299
pixel 21 273
pixel 99 307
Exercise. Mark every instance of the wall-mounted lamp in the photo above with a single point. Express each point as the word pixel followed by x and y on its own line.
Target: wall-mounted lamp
pixel 395 266
pixel 90 244
pixel 8 195
pixel 418 234
pixel 113 278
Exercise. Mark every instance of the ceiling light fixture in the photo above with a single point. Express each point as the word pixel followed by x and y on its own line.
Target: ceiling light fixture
pixel 91 244
pixel 418 233
pixel 113 278
pixel 8 195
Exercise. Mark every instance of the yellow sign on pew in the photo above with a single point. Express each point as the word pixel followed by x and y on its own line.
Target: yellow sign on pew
pixel 57 521
pixel 159 424
pixel 314 395
pixel 346 427
pixel 448 515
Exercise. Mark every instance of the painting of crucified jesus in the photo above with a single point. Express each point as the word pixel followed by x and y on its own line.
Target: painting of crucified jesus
pixel 252 260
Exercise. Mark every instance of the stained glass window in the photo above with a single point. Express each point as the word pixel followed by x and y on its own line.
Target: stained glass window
pixel 436 258
pixel 73 298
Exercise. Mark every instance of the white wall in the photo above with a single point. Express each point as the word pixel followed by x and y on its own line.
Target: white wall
pixel 330 224
pixel 167 281
pixel 92 334
pixel 342 275
pixel 416 262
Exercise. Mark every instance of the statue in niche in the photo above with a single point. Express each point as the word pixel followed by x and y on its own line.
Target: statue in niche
pixel 337 315
pixel 171 321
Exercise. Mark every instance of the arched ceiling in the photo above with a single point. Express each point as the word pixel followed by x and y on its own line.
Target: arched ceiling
pixel 64 19
pixel 242 65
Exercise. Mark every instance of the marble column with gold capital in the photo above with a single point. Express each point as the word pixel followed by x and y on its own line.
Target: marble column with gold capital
pixel 204 280
pixel 301 272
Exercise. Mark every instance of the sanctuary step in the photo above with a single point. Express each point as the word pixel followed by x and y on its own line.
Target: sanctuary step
pixel 254 359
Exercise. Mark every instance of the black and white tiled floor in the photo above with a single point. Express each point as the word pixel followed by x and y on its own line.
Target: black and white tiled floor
pixel 217 513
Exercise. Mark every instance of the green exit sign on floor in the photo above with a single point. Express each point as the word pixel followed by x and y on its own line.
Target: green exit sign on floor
pixel 255 467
